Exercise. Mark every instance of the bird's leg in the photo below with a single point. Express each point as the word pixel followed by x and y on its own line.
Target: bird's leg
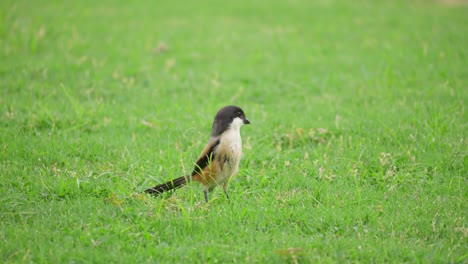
pixel 225 191
pixel 206 190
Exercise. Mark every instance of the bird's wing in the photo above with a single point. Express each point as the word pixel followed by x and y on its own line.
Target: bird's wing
pixel 206 156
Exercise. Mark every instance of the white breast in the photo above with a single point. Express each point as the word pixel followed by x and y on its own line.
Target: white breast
pixel 231 143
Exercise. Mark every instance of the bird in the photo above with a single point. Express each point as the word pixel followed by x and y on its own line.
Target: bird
pixel 219 159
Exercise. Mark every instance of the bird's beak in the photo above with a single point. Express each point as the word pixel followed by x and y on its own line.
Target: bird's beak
pixel 246 121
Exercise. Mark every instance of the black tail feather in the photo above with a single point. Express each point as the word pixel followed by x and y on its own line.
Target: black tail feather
pixel 170 185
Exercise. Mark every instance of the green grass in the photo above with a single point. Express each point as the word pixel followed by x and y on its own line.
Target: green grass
pixel 357 150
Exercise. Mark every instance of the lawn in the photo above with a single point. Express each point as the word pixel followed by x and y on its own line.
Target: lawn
pixel 357 151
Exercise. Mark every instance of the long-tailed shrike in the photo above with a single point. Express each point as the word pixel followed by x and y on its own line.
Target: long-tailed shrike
pixel 219 160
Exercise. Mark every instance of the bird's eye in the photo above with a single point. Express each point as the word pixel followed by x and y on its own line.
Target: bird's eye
pixel 239 113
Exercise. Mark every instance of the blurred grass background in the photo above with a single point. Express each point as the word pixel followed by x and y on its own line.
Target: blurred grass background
pixel 356 152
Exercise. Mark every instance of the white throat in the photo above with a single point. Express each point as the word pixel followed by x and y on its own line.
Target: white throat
pixel 232 136
pixel 236 124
